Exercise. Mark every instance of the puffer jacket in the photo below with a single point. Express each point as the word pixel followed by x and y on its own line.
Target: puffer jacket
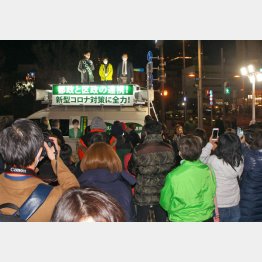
pixel 150 163
pixel 251 186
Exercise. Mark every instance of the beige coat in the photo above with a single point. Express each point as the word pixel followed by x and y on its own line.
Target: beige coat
pixel 17 192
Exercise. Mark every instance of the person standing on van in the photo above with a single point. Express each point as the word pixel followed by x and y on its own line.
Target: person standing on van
pixel 86 68
pixel 106 72
pixel 125 71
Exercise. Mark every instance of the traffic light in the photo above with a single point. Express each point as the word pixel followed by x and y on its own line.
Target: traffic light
pixel 227 88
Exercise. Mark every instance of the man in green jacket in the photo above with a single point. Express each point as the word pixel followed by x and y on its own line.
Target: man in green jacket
pixel 189 190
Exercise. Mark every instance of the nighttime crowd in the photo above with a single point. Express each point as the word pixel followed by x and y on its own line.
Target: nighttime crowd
pixel 123 176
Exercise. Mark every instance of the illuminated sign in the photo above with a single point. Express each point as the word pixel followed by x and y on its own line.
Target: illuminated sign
pixel 111 95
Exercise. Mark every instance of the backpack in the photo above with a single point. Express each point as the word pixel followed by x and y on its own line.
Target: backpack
pixel 29 207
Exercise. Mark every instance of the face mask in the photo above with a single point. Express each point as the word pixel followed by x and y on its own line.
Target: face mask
pixel 124 59
pixel 105 62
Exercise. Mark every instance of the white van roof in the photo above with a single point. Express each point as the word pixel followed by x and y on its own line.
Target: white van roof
pixel 109 114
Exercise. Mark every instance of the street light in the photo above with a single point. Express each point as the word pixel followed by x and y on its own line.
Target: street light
pixel 253 76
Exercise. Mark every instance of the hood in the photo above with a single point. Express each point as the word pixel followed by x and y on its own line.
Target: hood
pixel 104 176
pixel 98 123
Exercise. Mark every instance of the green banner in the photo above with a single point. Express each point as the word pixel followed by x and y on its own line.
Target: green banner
pixel 93 90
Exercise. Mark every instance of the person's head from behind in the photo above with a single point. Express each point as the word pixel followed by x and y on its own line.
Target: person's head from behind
pixel 179 129
pixel 55 123
pixel 132 126
pixel 87 55
pixel 21 144
pixel 148 118
pixel 153 127
pixel 87 205
pixel 66 153
pixel 98 123
pixel 124 56
pixel 229 149
pixel 190 147
pixel 75 123
pixel 44 121
pixel 117 129
pixel 249 135
pixel 257 142
pixel 230 130
pixel 202 134
pixel 5 122
pixel 101 156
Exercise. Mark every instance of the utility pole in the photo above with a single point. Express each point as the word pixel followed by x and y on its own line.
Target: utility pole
pixel 199 90
pixel 222 79
pixel 162 81
pixel 183 81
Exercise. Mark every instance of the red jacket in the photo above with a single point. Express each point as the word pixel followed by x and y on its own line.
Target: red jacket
pixel 83 142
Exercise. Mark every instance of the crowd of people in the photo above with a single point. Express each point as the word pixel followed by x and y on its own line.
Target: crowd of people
pixel 122 176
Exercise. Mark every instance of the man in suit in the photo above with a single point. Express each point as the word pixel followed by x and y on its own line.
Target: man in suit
pixel 125 71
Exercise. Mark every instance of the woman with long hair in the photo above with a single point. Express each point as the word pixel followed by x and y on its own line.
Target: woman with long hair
pixel 227 163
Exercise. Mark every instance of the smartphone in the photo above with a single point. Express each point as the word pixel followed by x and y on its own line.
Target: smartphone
pixel 240 132
pixel 215 133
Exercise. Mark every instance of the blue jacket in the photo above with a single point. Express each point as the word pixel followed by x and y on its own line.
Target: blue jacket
pixel 117 185
pixel 251 186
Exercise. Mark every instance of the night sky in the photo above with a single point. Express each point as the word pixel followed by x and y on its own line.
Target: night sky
pixel 20 51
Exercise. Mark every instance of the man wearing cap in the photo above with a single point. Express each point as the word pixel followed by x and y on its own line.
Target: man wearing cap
pixel 97 134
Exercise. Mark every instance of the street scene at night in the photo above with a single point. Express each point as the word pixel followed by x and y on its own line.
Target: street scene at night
pixel 154 130
pixel 102 122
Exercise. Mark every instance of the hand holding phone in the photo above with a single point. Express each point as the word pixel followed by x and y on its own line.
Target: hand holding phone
pixel 240 132
pixel 215 132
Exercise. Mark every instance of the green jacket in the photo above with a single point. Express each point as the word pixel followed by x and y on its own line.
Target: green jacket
pixel 72 133
pixel 188 193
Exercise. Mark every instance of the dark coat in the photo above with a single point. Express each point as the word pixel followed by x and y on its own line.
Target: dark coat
pixel 150 163
pixel 116 185
pixel 58 133
pixel 133 138
pixel 130 71
pixel 251 186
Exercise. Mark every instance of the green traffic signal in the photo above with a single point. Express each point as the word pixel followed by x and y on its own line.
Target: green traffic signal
pixel 227 91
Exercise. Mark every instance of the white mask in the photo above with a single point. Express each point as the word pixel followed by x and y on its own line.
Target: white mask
pixel 124 59
pixel 105 62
